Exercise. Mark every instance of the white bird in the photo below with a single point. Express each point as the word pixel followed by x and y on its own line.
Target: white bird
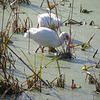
pixel 48 20
pixel 46 37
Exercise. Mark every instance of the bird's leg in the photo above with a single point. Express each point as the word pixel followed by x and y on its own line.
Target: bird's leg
pixel 42 49
pixel 37 49
pixel 71 43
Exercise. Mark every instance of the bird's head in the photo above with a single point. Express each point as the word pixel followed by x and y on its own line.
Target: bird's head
pixel 66 36
pixel 58 22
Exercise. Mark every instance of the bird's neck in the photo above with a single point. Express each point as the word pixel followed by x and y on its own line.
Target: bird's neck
pixel 61 38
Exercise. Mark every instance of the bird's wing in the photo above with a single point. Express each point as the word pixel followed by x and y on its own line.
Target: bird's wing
pixel 45 37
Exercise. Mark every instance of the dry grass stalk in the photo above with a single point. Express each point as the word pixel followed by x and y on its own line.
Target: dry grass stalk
pixel 9 84
pixel 60 81
pixel 95 81
pixel 86 44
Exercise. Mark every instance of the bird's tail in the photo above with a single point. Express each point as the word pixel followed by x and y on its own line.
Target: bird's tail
pixel 26 34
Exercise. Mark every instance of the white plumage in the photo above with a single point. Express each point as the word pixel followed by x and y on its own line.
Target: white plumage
pixel 47 19
pixel 46 37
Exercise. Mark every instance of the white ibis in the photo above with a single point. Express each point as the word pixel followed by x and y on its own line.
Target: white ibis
pixel 46 37
pixel 48 20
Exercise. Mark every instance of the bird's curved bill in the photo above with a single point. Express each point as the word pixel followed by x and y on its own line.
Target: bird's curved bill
pixel 69 39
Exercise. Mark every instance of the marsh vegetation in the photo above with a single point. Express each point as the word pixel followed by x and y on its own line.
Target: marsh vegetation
pixel 9 83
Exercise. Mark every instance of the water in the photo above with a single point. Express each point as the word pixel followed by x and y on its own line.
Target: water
pixel 71 68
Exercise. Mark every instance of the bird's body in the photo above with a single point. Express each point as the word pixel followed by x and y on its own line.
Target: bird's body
pixel 48 19
pixel 46 37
